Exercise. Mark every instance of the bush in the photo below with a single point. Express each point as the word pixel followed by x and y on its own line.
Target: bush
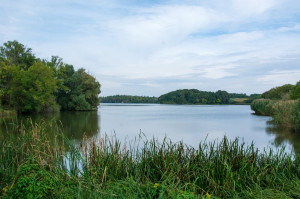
pixel 262 106
pixel 295 116
pixel 282 113
pixel 295 92
pixel 287 114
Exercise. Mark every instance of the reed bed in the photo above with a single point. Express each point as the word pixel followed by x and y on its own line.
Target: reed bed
pixel 285 113
pixel 36 165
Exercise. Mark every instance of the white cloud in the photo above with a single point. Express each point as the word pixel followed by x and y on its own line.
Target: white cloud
pixel 280 77
pixel 207 44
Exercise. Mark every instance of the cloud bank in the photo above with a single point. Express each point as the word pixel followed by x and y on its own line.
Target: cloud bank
pixel 153 47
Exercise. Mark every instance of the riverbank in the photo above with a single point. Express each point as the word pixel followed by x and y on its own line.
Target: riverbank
pixel 43 166
pixel 285 113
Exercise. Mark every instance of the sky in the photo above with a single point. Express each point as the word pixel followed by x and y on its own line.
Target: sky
pixel 151 47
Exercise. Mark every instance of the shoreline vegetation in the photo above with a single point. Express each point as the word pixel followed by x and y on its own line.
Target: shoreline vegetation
pixel 29 84
pixel 283 104
pixel 37 161
pixel 42 166
pixel 185 96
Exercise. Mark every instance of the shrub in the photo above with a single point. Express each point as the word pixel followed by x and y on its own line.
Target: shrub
pixel 295 116
pixel 295 92
pixel 282 111
pixel 287 114
pixel 262 106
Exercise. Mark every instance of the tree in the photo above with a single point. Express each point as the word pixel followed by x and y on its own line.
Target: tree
pixel 278 93
pixel 5 79
pixel 83 91
pixel 29 84
pixel 295 92
pixel 15 53
pixel 32 90
pixel 194 96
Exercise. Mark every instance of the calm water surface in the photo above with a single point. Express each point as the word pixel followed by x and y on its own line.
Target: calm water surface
pixel 188 123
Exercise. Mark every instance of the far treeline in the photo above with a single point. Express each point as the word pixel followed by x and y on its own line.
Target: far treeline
pixel 185 96
pixel 283 104
pixel 31 84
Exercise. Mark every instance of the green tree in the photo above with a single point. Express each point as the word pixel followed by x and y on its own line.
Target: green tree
pixel 277 93
pixel 15 53
pixel 83 91
pixel 194 96
pixel 33 90
pixel 295 92
pixel 5 82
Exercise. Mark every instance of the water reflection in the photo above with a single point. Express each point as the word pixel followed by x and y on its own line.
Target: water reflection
pixel 190 124
pixel 75 124
pixel 284 137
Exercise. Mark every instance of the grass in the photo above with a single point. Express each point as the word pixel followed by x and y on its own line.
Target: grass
pixel 285 113
pixel 263 106
pixel 35 165
pixel 7 113
pixel 238 100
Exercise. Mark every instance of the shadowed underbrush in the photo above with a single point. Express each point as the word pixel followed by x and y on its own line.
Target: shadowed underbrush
pixel 35 165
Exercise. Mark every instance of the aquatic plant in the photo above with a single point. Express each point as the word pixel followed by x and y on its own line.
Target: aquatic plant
pixel 37 165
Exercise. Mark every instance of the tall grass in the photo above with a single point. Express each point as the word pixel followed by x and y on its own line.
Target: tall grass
pixel 39 166
pixel 263 106
pixel 284 112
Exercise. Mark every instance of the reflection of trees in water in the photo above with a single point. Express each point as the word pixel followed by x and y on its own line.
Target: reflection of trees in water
pixel 283 135
pixel 75 124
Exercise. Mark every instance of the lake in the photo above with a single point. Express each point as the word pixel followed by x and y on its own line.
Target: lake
pixel 188 123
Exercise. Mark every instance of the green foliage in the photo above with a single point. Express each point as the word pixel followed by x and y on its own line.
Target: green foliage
pixel 15 53
pixel 252 97
pixel 194 96
pixel 83 91
pixel 36 166
pixel 30 85
pixel 5 82
pixel 295 116
pixel 238 95
pixel 128 99
pixel 295 92
pixel 262 106
pixel 32 90
pixel 278 93
pixel 282 113
pixel 287 113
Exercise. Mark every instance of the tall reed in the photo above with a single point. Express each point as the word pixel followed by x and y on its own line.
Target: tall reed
pixel 263 106
pixel 37 165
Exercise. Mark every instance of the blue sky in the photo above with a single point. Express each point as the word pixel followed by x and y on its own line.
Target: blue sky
pixel 152 47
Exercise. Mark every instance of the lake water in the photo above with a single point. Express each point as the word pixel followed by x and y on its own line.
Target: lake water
pixel 188 123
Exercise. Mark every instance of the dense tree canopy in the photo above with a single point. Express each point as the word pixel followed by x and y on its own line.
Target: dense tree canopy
pixel 82 93
pixel 277 93
pixel 29 84
pixel 14 53
pixel 128 99
pixel 238 95
pixel 295 92
pixel 194 96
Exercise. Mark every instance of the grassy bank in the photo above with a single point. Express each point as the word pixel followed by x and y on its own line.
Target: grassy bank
pixel 35 165
pixel 285 113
